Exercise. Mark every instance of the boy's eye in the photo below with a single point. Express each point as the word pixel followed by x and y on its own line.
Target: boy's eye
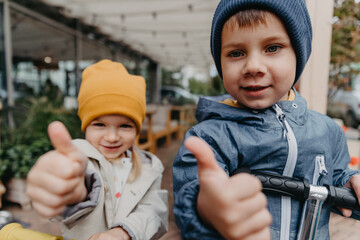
pixel 273 49
pixel 236 54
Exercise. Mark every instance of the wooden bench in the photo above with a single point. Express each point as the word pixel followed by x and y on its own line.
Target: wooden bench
pixel 186 117
pixel 145 142
pixel 159 125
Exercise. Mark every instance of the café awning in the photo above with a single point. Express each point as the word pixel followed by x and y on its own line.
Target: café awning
pixel 174 33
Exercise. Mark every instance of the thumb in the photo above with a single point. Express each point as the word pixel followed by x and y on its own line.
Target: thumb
pixel 61 141
pixel 207 163
pixel 60 138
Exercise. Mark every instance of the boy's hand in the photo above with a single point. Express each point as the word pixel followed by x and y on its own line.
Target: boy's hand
pixel 57 178
pixel 354 183
pixel 235 206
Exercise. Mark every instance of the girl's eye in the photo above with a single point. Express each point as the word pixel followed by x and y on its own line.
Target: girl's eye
pixel 99 124
pixel 273 49
pixel 236 54
pixel 126 126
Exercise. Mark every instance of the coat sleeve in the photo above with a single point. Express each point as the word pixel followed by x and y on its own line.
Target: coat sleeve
pixel 75 212
pixel 149 220
pixel 186 190
pixel 341 159
pixel 342 173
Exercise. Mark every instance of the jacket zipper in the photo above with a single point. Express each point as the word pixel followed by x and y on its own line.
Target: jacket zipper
pixel 320 169
pixel 288 171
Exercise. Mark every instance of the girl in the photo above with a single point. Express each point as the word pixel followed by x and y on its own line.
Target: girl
pixel 103 186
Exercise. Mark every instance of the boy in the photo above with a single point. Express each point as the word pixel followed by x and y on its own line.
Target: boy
pixel 104 187
pixel 260 48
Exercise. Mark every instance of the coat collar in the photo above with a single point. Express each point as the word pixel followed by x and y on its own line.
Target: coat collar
pixel 134 191
pixel 295 111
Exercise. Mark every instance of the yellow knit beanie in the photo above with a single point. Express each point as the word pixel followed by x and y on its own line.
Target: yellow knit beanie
pixel 107 88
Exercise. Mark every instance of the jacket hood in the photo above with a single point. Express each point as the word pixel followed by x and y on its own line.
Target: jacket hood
pixel 212 108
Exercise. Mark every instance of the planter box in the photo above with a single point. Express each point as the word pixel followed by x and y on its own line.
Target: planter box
pixel 2 191
pixel 16 188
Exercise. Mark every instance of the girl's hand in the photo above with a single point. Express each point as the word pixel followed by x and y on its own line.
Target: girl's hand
pixel 354 183
pixel 113 234
pixel 57 178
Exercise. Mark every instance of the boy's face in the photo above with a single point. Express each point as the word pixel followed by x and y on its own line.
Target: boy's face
pixel 111 135
pixel 258 63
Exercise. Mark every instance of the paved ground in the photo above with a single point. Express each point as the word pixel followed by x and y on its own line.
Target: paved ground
pixel 344 228
pixel 340 227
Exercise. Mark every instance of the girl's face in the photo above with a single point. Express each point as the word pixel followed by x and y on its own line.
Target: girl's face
pixel 111 135
pixel 258 63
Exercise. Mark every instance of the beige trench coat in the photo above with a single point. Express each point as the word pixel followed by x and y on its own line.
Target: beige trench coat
pixel 143 208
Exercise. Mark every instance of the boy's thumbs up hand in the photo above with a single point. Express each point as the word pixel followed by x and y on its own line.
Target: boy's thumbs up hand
pixel 235 206
pixel 57 178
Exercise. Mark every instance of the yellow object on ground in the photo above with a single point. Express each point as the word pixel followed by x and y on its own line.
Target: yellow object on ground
pixel 15 231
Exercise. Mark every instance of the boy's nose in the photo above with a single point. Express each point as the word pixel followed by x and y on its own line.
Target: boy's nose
pixel 254 66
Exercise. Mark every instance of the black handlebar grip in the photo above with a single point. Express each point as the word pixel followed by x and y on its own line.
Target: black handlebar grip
pixel 342 197
pixel 299 189
pixel 292 187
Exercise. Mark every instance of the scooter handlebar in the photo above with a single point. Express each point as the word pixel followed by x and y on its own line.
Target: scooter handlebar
pixel 295 188
pixel 14 231
pixel 300 189
pixel 342 197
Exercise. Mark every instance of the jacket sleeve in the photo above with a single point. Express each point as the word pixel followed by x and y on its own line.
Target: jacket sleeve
pixel 341 159
pixel 186 190
pixel 149 220
pixel 342 173
pixel 74 212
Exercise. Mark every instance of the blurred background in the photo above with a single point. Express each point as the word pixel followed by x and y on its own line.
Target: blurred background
pixel 45 45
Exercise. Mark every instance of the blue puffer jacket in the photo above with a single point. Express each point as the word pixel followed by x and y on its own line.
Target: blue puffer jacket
pixel 286 139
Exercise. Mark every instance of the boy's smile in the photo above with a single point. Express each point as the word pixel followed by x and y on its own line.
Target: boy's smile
pixel 258 62
pixel 255 90
pixel 111 135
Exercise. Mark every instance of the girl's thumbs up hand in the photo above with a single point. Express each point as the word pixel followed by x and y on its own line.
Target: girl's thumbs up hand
pixel 235 206
pixel 61 141
pixel 57 178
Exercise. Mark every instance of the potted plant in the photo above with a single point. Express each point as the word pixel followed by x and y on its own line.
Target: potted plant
pixel 21 147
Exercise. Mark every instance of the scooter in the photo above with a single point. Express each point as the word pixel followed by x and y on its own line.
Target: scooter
pixel 14 231
pixel 314 197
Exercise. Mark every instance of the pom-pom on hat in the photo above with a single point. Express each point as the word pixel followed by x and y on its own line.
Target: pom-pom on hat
pixel 107 88
pixel 293 14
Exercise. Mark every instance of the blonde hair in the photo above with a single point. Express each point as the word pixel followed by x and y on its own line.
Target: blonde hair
pixel 247 18
pixel 136 165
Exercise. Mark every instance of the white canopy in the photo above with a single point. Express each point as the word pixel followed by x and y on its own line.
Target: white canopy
pixel 174 33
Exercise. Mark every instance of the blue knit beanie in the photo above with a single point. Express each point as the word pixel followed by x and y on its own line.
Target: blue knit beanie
pixel 293 14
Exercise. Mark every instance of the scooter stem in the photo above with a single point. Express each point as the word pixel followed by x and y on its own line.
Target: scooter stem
pixel 311 212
